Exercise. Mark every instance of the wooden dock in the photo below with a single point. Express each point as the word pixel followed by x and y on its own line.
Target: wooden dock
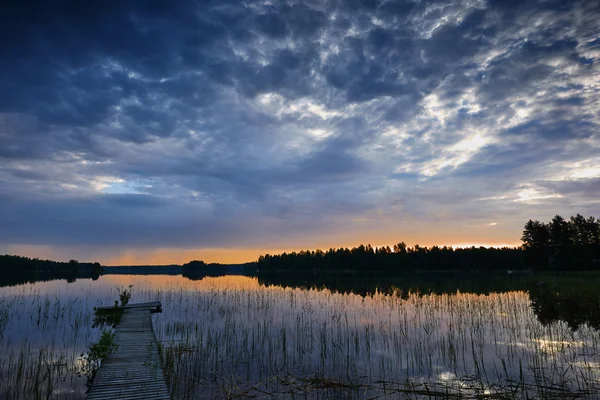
pixel 133 371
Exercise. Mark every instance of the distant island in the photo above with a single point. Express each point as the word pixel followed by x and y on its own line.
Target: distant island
pixel 197 269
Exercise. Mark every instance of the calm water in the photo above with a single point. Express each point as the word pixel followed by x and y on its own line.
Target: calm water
pixel 279 337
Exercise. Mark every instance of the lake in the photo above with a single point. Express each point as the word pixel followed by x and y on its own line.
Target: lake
pixel 323 336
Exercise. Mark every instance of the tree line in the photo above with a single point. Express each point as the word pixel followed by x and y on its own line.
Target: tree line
pixel 557 245
pixel 18 270
pixel 401 257
pixel 35 264
pixel 560 244
pixel 198 269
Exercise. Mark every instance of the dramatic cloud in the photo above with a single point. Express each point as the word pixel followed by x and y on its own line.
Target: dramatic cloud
pixel 288 124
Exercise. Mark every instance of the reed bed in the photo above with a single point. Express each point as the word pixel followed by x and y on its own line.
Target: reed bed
pixel 44 329
pixel 251 341
pixel 232 338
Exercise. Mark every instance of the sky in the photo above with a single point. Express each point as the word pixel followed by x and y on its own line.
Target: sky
pixel 157 132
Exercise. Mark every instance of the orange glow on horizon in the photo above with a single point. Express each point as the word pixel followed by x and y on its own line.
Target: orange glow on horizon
pixel 238 256
pixel 174 256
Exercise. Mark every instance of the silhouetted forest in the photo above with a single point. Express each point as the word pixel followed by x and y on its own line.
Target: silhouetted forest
pixel 562 244
pixel 17 270
pixel 559 245
pixel 400 258
pixel 196 269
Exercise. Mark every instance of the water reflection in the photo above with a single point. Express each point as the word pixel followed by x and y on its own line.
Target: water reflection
pixel 277 334
pixel 571 298
pixel 19 278
pixel 576 305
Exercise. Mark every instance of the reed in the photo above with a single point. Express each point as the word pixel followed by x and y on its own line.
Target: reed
pixel 232 338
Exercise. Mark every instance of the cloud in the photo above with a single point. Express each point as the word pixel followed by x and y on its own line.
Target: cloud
pixel 202 124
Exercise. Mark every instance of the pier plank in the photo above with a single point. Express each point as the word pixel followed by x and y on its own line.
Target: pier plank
pixel 132 372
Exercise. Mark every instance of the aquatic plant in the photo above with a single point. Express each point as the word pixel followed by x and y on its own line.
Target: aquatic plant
pixel 97 352
pixel 124 296
pixel 232 338
pixel 107 319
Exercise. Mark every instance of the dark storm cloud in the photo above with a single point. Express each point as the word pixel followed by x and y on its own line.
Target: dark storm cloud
pixel 197 122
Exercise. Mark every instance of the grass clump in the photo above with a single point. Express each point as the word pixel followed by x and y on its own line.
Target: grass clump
pixel 98 352
pixel 106 345
pixel 112 316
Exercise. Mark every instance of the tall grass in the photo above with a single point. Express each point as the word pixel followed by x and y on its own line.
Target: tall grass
pixel 44 328
pixel 256 341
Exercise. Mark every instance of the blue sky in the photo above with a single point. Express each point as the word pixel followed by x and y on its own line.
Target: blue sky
pixel 153 131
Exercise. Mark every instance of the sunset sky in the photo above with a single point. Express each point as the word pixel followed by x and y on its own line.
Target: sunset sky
pixel 157 132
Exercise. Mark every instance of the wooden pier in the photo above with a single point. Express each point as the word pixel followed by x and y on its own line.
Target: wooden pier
pixel 133 371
